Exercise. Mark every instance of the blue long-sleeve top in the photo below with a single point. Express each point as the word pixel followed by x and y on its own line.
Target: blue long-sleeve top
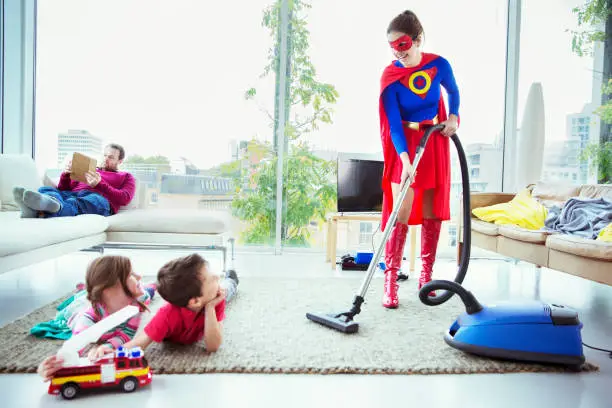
pixel 401 103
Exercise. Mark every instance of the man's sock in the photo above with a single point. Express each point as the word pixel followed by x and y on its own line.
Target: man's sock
pixel 26 212
pixel 41 202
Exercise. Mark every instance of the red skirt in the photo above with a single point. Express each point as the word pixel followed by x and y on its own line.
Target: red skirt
pixel 433 172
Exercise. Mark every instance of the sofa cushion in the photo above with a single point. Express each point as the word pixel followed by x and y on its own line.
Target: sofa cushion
pixel 554 193
pixel 596 191
pixel 521 234
pixel 8 216
pixel 24 234
pixel 487 228
pixel 170 221
pixel 16 170
pixel 135 203
pixel 580 246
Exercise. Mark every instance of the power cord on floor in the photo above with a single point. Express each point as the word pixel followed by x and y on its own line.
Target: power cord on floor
pixel 598 349
pixel 374 233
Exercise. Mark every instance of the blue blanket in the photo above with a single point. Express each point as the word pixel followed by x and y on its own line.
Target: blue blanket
pixel 584 217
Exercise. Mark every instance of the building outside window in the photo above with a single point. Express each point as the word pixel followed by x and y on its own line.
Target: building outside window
pixel 365 233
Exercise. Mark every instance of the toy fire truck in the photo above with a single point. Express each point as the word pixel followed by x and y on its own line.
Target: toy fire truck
pixel 126 369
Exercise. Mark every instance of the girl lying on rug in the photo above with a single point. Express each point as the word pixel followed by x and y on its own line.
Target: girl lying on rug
pixel 111 284
pixel 194 296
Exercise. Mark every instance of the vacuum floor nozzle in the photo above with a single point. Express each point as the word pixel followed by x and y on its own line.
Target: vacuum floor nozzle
pixel 339 322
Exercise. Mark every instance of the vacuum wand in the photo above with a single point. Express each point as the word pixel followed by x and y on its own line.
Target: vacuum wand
pixel 344 321
pixel 396 208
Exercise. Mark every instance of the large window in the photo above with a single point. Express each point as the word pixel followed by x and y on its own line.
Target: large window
pixel 167 80
pixel 571 88
pixel 191 91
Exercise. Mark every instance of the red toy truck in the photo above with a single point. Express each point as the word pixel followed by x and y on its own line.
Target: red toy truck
pixel 126 369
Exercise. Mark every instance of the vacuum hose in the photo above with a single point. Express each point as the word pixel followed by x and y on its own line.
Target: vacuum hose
pixel 344 321
pixel 454 287
pixel 471 304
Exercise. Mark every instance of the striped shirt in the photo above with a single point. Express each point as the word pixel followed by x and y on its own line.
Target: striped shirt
pixel 114 337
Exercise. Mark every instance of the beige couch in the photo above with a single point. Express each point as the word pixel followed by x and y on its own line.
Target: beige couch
pixel 26 241
pixel 589 259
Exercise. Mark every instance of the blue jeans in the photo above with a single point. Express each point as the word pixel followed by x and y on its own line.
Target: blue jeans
pixel 230 287
pixel 77 203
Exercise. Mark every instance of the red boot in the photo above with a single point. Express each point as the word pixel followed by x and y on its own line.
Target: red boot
pixel 430 234
pixel 394 252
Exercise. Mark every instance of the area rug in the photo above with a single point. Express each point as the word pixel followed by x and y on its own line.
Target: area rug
pixel 266 331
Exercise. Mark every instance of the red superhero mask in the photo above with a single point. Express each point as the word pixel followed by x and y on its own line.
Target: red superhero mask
pixel 404 43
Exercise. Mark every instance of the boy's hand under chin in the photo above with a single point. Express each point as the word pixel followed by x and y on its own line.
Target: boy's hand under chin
pixel 218 299
pixel 213 336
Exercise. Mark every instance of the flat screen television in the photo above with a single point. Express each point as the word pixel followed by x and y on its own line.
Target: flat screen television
pixel 359 185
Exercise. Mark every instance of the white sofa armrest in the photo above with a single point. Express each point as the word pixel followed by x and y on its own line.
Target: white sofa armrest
pixel 143 197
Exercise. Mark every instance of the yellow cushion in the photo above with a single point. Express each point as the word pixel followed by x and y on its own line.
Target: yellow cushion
pixel 523 211
pixel 605 234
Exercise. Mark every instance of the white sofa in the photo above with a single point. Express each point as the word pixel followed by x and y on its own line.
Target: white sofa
pixel 25 241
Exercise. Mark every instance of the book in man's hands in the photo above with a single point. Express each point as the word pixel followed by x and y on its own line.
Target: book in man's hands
pixel 81 164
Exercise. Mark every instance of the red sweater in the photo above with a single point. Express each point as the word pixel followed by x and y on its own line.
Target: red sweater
pixel 117 187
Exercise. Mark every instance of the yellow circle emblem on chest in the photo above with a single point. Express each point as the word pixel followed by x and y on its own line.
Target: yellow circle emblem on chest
pixel 419 88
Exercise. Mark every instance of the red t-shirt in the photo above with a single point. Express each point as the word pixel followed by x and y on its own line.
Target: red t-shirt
pixel 179 324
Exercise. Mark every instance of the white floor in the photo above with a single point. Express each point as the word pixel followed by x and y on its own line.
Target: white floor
pixel 23 290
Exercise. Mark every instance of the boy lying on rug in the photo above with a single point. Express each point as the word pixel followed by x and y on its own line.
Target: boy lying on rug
pixel 194 297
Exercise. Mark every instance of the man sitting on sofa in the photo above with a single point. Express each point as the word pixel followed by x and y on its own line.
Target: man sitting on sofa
pixel 106 190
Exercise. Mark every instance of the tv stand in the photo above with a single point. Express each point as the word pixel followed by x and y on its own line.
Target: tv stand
pixel 332 234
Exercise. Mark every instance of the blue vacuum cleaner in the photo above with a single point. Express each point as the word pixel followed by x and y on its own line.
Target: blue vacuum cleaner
pixel 527 330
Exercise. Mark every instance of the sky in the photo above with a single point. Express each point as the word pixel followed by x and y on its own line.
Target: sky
pixel 169 78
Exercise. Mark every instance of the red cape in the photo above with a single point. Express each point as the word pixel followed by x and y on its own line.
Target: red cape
pixel 391 74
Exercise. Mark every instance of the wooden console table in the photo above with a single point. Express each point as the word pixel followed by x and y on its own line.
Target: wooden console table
pixel 332 235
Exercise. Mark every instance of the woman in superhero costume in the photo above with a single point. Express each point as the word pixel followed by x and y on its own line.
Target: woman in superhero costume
pixel 411 100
